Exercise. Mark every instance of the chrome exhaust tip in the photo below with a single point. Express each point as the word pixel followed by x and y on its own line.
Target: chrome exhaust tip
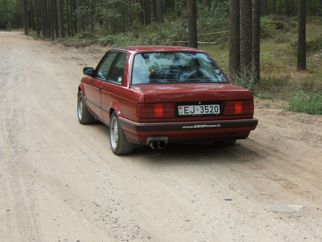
pixel 154 145
pixel 157 143
pixel 162 145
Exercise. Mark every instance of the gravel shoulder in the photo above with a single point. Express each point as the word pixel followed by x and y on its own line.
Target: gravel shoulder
pixel 59 181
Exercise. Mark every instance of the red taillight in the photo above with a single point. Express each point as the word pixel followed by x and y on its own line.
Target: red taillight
pixel 238 107
pixel 155 110
pixel 158 110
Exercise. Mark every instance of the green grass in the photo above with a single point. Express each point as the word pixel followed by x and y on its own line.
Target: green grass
pixel 310 103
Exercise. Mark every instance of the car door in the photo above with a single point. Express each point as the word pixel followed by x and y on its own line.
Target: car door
pixel 93 91
pixel 113 86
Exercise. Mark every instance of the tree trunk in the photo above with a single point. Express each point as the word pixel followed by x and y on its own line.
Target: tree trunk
pixel 55 17
pixel 78 17
pixel 43 16
pixel 287 8
pixel 159 11
pixel 32 15
pixel 60 18
pixel 264 8
pixel 147 12
pixel 142 13
pixel 301 56
pixel 91 14
pixel 51 19
pixel 274 7
pixel 192 23
pixel 207 3
pixel 73 12
pixel 256 40
pixel 68 19
pixel 246 38
pixel 25 17
pixel 145 15
pixel 37 17
pixel 234 38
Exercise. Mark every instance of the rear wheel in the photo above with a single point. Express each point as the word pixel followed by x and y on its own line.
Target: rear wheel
pixel 118 141
pixel 84 116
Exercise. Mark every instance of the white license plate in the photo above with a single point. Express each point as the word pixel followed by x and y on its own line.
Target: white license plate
pixel 185 110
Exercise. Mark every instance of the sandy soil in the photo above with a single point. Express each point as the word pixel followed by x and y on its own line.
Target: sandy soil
pixel 59 181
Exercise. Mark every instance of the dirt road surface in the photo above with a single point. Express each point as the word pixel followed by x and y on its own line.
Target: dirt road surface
pixel 59 180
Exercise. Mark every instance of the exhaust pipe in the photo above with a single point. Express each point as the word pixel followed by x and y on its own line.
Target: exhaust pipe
pixel 157 143
pixel 162 145
pixel 154 145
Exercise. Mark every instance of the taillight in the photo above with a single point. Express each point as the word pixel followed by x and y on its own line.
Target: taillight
pixel 155 110
pixel 239 107
pixel 158 110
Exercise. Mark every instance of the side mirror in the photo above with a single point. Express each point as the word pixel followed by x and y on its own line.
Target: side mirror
pixel 89 71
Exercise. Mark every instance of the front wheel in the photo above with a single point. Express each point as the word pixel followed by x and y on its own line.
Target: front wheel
pixel 118 141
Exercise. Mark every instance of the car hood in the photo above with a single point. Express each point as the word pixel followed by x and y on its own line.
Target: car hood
pixel 192 92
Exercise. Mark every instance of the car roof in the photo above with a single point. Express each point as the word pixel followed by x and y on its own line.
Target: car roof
pixel 158 48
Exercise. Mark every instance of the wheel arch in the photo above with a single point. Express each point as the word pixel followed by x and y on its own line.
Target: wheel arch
pixel 115 108
pixel 81 89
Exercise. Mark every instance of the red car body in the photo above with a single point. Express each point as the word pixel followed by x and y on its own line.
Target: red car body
pixel 148 113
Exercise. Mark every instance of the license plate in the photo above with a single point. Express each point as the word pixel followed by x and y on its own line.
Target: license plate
pixel 185 110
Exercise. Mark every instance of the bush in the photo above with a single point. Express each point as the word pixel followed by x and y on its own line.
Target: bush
pixel 245 82
pixel 314 45
pixel 310 103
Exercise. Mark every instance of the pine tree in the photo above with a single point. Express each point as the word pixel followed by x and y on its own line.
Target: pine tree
pixel 60 18
pixel 234 38
pixel 246 38
pixel 256 40
pixel 25 17
pixel 301 57
pixel 192 23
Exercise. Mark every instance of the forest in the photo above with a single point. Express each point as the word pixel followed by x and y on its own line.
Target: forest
pixel 246 36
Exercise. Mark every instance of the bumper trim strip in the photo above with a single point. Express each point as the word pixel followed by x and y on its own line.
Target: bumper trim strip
pixel 218 124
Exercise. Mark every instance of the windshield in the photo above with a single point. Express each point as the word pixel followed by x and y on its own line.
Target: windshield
pixel 175 67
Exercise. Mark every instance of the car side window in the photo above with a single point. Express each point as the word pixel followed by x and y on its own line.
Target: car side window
pixel 105 66
pixel 117 72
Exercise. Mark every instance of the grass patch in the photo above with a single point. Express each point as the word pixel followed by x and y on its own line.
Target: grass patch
pixel 310 103
pixel 79 40
pixel 314 45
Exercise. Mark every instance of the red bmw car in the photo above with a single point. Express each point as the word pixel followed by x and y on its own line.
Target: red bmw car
pixel 156 95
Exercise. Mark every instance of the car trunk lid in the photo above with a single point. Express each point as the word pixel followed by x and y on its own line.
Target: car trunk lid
pixel 193 101
pixel 192 92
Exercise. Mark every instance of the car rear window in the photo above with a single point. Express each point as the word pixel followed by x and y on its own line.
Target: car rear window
pixel 175 67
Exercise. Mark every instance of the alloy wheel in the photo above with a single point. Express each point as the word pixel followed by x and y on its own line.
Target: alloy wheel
pixel 114 133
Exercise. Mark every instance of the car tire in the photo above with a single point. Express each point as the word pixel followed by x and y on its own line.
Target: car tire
pixel 118 141
pixel 83 115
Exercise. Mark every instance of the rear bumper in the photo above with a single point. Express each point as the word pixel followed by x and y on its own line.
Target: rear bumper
pixel 188 131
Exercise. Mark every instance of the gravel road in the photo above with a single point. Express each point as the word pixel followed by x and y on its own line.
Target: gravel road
pixel 59 181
